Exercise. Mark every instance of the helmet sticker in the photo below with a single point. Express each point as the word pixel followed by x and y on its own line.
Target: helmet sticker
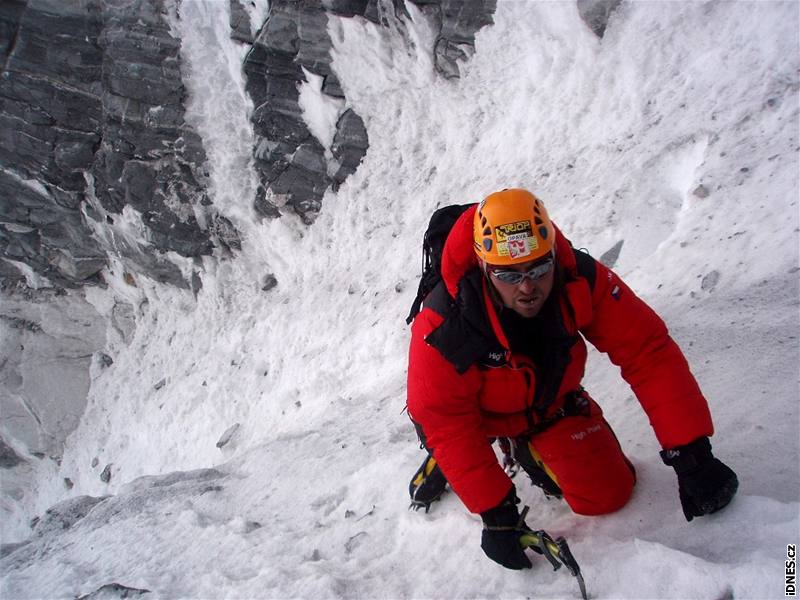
pixel 518 245
pixel 520 227
pixel 515 239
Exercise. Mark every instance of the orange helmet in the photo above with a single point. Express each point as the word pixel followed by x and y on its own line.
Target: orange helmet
pixel 512 227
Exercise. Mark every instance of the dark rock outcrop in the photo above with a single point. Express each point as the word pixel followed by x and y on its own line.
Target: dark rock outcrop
pixel 92 125
pixel 349 145
pixel 458 23
pixel 290 160
pixel 114 590
pixel 8 457
pixel 595 13
pixel 609 257
pixel 91 108
pixel 293 165
pixel 65 514
pixel 239 22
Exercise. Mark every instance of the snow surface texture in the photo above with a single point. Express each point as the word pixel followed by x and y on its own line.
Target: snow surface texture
pixel 676 135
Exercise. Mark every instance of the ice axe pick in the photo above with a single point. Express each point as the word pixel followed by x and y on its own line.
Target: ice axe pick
pixel 556 551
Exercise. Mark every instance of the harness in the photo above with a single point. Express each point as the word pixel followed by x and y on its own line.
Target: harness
pixel 576 404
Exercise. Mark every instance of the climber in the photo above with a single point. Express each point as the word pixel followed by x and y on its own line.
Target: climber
pixel 498 351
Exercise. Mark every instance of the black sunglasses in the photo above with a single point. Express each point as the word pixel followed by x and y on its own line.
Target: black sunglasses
pixel 515 277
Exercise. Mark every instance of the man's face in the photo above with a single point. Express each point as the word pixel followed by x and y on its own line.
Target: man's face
pixel 526 297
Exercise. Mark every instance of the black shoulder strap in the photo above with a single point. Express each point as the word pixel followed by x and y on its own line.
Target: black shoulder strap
pixel 439 300
pixel 586 266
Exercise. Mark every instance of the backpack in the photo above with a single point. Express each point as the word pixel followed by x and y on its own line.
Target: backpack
pixel 442 221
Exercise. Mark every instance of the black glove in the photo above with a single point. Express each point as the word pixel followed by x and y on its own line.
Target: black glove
pixel 705 483
pixel 502 528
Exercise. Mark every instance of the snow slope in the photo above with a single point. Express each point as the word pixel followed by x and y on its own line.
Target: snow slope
pixel 308 498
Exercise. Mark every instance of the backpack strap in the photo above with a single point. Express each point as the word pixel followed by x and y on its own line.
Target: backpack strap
pixel 585 266
pixel 439 300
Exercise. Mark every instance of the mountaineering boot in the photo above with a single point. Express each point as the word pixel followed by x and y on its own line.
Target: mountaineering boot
pixel 541 479
pixel 427 485
pixel 535 470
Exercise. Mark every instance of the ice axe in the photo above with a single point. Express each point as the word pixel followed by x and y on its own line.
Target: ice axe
pixel 556 551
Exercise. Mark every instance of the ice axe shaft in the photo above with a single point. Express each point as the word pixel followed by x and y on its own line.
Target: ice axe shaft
pixel 556 551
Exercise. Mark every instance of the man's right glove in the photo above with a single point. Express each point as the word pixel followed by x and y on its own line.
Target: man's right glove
pixel 502 528
pixel 705 483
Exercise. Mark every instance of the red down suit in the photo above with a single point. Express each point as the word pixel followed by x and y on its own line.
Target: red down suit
pixel 465 384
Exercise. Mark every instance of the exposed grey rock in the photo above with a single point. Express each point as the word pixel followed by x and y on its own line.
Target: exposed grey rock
pixel 100 114
pixel 105 476
pixel 196 283
pixel 383 12
pixel 270 281
pixel 68 483
pixel 710 281
pixel 291 163
pixel 459 21
pixel 240 23
pixel 10 276
pixel 20 323
pixel 251 526
pixel 38 230
pixel 609 257
pixel 227 435
pixel 160 384
pixel 49 340
pixel 10 13
pixel 122 319
pixel 225 232
pixel 700 191
pixel 8 457
pixel 113 591
pixel 347 8
pixel 6 549
pixel 596 13
pixel 349 146
pixel 65 515
pixel 290 160
pixel 49 118
pixel 177 477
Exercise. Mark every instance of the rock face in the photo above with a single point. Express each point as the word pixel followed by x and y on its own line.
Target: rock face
pixel 291 161
pixel 48 343
pixel 8 458
pixel 596 13
pixel 96 115
pixel 294 166
pixel 240 23
pixel 96 158
pixel 459 21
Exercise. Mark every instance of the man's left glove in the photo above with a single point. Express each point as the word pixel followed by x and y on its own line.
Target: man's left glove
pixel 705 483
